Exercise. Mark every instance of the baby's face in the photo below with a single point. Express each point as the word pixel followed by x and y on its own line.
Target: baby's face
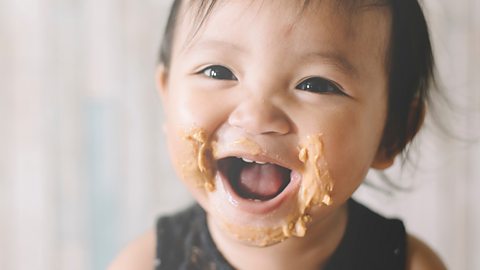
pixel 260 81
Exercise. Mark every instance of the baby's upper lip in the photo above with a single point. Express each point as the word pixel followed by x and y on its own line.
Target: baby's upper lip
pixel 259 158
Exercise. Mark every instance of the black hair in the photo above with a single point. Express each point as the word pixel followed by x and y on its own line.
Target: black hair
pixel 410 66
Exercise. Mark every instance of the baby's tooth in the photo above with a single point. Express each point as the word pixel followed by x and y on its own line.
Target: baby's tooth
pixel 253 161
pixel 247 160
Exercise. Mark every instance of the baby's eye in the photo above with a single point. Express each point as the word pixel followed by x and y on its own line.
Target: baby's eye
pixel 219 73
pixel 320 85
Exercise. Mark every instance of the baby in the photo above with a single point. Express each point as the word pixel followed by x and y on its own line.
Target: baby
pixel 276 110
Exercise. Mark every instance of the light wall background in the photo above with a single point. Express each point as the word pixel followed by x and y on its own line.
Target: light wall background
pixel 83 164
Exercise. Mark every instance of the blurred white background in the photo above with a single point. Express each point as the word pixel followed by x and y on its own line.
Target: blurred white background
pixel 83 164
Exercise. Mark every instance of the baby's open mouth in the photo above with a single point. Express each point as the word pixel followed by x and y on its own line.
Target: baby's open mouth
pixel 254 180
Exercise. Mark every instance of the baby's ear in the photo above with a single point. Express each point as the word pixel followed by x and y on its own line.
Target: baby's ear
pixel 161 80
pixel 416 117
pixel 385 157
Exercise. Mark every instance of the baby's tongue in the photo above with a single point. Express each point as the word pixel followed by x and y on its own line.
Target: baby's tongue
pixel 262 181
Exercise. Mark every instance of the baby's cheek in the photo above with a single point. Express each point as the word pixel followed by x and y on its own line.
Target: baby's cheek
pixel 202 108
pixel 349 163
pixel 176 148
pixel 192 155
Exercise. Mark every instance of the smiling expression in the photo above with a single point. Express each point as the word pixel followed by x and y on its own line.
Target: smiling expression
pixel 259 82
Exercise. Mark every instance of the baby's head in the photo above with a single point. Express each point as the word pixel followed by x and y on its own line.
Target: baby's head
pixel 276 110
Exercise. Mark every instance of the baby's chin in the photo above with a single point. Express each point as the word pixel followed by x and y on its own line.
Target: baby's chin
pixel 253 236
pixel 249 233
pixel 266 230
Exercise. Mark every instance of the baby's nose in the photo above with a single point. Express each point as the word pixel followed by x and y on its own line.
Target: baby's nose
pixel 258 115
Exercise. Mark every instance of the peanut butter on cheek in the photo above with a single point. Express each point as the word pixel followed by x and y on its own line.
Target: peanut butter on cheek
pixel 202 167
pixel 315 188
pixel 316 181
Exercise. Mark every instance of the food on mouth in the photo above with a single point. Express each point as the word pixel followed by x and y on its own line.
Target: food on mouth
pixel 259 181
pixel 250 146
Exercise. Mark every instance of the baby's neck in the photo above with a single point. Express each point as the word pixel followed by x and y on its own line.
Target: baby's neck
pixel 309 252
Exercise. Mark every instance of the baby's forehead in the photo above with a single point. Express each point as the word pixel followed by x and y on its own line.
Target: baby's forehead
pixel 345 17
pixel 197 12
pixel 201 9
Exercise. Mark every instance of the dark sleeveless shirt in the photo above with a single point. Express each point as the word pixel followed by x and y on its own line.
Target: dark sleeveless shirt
pixel 370 242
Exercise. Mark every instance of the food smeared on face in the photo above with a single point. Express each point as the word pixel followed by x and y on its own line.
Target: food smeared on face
pixel 252 147
pixel 260 182
pixel 317 183
pixel 202 167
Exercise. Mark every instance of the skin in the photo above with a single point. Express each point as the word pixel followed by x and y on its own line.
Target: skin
pixel 264 104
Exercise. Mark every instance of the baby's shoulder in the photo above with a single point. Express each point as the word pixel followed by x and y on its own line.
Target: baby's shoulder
pixel 381 235
pixel 184 242
pixel 168 236
pixel 139 254
pixel 421 257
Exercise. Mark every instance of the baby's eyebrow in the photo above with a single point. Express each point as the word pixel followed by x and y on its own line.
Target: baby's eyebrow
pixel 212 43
pixel 334 58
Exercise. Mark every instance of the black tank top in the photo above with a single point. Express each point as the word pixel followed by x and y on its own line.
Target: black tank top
pixel 370 242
